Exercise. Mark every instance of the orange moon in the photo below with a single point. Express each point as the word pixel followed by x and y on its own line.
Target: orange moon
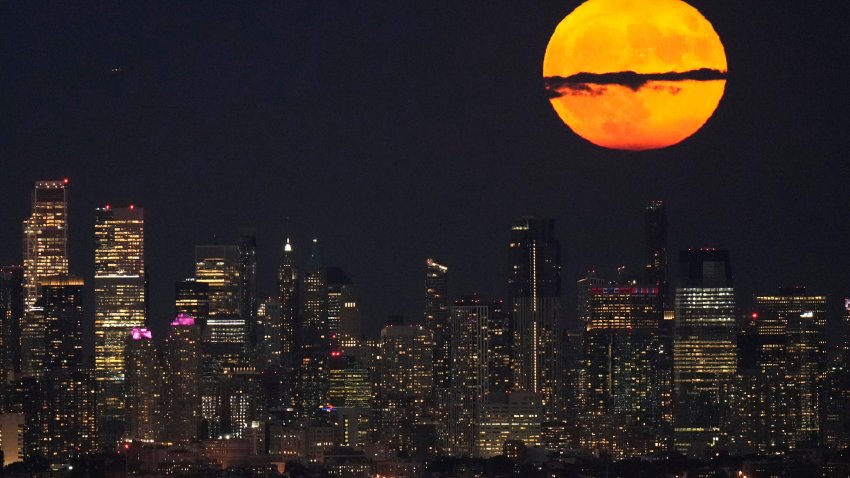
pixel 635 74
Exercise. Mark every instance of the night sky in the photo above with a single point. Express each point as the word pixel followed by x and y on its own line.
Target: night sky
pixel 394 131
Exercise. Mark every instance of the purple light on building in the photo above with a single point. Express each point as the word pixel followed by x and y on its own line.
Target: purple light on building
pixel 183 320
pixel 140 333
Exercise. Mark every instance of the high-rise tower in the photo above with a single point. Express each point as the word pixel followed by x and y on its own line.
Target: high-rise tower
pixel 534 287
pixel 469 374
pixel 288 285
pixel 248 286
pixel 143 387
pixel 120 305
pixel 45 237
pixel 704 350
pixel 45 255
pixel 11 318
pixel 620 385
pixel 181 390
pixel 655 217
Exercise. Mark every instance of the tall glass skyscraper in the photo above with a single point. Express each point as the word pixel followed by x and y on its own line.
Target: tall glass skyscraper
pixel 45 237
pixel 534 288
pixel 120 305
pixel 704 350
pixel 45 255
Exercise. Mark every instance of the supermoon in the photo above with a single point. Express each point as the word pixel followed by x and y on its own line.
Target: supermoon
pixel 635 74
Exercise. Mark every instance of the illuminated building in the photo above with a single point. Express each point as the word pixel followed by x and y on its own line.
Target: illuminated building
pixel 534 287
pixel 343 308
pixel 404 383
pixel 247 296
pixel 312 384
pixel 704 350
pixel 12 437
pixel 192 298
pixel 62 303
pixel 437 322
pixel 45 255
pixel 500 342
pixel 583 294
pixel 242 399
pixel 792 368
pixel 469 374
pixel 513 417
pixel 350 386
pixel 288 286
pixel 620 386
pixel 836 402
pixel 45 237
pixel 655 218
pixel 315 301
pixel 11 318
pixel 311 398
pixel 69 415
pixel 67 422
pixel 181 384
pixel 143 381
pixel 33 341
pixel 268 348
pixel 219 268
pixel 120 305
pixel 350 398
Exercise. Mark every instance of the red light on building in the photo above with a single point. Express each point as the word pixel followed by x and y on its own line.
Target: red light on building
pixel 755 315
pixel 65 181
pixel 132 206
pixel 107 206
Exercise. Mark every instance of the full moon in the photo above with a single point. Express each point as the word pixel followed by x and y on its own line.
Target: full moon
pixel 635 74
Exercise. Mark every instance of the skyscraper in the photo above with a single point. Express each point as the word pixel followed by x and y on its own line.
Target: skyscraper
pixel 704 350
pixel 343 307
pixel 288 286
pixel 315 326
pixel 655 216
pixel 469 374
pixel 11 318
pixel 620 385
pixel 534 287
pixel 181 388
pixel 45 255
pixel 67 391
pixel 267 351
pixel 192 298
pixel 45 237
pixel 792 366
pixel 120 305
pixel 404 384
pixel 248 285
pixel 219 268
pixel 437 322
pixel 143 387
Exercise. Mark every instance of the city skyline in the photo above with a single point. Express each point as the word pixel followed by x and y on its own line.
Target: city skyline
pixel 158 133
pixel 549 239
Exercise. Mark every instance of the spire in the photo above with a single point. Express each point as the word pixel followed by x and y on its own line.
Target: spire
pixel 287 247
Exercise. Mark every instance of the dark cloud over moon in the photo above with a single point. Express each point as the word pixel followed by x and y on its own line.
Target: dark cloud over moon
pixel 580 83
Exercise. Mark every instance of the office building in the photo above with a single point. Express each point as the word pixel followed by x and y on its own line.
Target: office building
pixel 704 351
pixel 120 305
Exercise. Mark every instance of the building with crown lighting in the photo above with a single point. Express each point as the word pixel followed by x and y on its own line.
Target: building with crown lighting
pixel 143 382
pixel 181 380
